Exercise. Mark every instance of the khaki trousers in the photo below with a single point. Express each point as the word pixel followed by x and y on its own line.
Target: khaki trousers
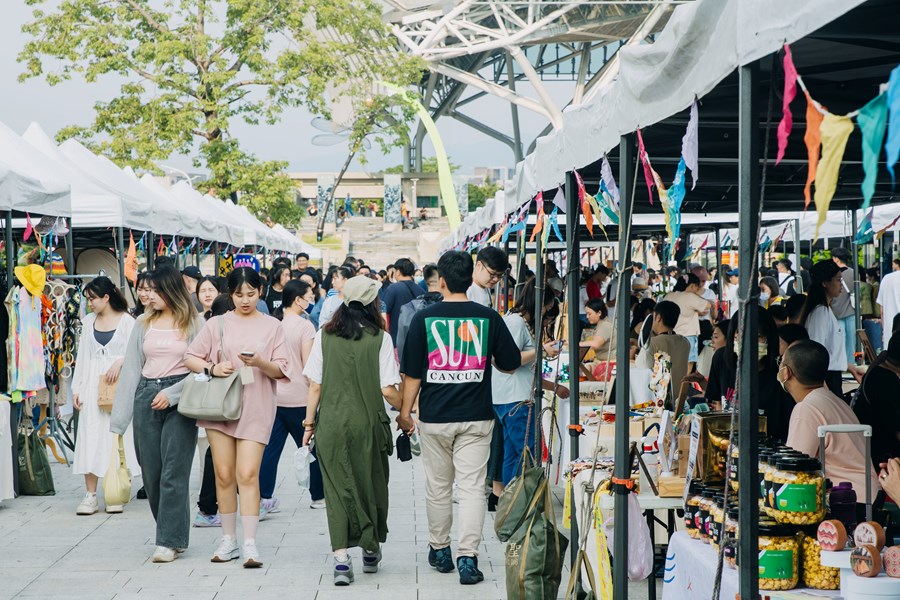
pixel 456 451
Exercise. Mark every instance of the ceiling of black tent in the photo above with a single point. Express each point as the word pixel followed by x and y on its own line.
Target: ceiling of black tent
pixel 842 64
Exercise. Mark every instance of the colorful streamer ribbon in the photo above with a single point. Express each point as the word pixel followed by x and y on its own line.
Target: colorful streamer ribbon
pixel 835 132
pixel 884 230
pixel 539 222
pixel 865 233
pixel 559 199
pixel 645 162
pixel 892 144
pixel 790 92
pixel 608 182
pixel 690 150
pixel 554 223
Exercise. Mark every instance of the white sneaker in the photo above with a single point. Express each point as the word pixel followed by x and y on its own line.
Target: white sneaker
pixel 251 555
pixel 164 555
pixel 114 509
pixel 227 550
pixel 317 503
pixel 89 505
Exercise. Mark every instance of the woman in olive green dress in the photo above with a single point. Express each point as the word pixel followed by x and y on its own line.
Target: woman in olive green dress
pixel 351 371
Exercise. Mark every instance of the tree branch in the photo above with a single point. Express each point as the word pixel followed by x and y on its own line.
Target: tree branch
pixel 147 16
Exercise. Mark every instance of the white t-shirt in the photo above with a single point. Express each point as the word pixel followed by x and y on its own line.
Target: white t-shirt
pixel 582 300
pixel 516 386
pixel 478 294
pixel 823 327
pixel 329 307
pixel 785 281
pixel 889 299
pixel 388 369
pixel 709 296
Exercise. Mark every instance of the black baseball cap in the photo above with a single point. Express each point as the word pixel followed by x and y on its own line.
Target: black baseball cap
pixel 192 272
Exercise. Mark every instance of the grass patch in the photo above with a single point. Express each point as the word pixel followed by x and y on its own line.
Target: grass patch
pixel 332 242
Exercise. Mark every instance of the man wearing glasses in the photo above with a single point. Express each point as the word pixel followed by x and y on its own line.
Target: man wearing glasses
pixel 490 265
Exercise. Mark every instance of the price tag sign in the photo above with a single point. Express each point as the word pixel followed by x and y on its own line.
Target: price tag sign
pixel 692 455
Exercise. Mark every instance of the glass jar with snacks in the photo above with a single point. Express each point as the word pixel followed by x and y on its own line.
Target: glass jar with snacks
pixel 733 473
pixel 718 521
pixel 706 505
pixel 691 508
pixel 779 556
pixel 769 503
pixel 812 573
pixel 796 496
pixel 729 537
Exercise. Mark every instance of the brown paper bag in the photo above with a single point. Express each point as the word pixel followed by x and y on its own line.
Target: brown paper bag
pixel 106 394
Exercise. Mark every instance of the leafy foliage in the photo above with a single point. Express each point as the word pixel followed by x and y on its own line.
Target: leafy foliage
pixel 480 194
pixel 429 165
pixel 191 67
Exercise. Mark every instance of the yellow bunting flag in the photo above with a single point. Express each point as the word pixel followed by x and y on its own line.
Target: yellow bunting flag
pixel 835 131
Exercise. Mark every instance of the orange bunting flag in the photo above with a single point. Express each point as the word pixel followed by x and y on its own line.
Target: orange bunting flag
pixel 539 222
pixel 813 139
pixel 835 132
pixel 588 216
pixel 131 260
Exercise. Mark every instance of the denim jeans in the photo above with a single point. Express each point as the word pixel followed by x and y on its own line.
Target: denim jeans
pixel 287 421
pixel 848 325
pixel 164 441
pixel 514 421
pixel 874 332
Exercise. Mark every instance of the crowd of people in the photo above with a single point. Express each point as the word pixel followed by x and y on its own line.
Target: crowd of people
pixel 325 355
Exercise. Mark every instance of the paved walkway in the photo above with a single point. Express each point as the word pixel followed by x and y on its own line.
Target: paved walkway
pixel 49 552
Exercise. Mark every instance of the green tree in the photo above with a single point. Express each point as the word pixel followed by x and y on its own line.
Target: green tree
pixel 191 67
pixel 480 194
pixel 429 165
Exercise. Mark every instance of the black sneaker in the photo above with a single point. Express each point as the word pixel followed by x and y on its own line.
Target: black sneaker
pixel 468 570
pixel 141 494
pixel 442 559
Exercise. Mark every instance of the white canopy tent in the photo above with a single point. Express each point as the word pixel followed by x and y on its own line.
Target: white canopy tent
pixel 28 182
pixel 199 224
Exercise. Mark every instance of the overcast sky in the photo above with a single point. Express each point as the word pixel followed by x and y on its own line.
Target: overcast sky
pixel 71 103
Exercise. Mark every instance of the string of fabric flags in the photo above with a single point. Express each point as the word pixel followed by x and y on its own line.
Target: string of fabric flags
pixel 826 139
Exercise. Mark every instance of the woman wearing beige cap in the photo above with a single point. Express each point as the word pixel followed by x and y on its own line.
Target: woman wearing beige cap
pixel 350 369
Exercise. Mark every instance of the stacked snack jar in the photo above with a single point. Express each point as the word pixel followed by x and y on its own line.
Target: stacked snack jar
pixel 729 538
pixel 813 574
pixel 797 484
pixel 717 522
pixel 762 467
pixel 706 504
pixel 779 556
pixel 733 473
pixel 691 508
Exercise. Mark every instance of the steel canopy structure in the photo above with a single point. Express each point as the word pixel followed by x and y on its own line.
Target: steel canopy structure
pixel 477 48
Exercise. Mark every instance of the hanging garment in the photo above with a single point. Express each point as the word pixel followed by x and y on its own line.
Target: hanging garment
pixel 94 440
pixel 29 339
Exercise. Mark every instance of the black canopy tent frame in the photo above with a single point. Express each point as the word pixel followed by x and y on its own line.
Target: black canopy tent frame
pixel 843 63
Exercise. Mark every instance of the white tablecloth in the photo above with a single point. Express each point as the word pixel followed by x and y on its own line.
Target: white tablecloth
pixel 6 452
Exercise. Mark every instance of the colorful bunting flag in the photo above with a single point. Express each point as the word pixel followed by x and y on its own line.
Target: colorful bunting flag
pixel 29 229
pixel 872 121
pixel 883 230
pixel 539 222
pixel 559 200
pixel 892 144
pixel 131 260
pixel 645 162
pixel 554 223
pixel 835 131
pixel 813 140
pixel 790 91
pixel 690 151
pixel 865 233
pixel 608 181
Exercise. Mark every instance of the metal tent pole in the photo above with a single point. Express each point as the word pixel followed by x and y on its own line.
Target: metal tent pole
pixel 120 250
pixel 718 266
pixel 151 250
pixel 10 255
pixel 797 279
pixel 538 341
pixel 854 254
pixel 70 249
pixel 573 283
pixel 748 386
pixel 622 469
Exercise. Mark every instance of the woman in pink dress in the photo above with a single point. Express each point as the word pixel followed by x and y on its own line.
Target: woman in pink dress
pixel 243 338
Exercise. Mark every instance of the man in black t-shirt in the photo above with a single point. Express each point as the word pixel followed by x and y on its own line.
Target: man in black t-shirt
pixel 447 357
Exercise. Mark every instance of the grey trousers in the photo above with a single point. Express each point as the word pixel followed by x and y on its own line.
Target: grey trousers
pixel 165 441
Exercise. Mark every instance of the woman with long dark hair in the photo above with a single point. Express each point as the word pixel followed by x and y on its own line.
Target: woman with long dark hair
pixel 277 280
pixel 823 326
pixel 101 352
pixel 150 386
pixel 291 396
pixel 244 338
pixel 350 369
pixel 774 402
pixel 335 297
pixel 143 294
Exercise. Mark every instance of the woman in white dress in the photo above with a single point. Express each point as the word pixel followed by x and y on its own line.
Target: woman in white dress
pixel 104 339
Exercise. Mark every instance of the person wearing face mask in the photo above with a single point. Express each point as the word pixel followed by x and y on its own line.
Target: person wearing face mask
pixel 802 374
pixel 774 403
pixel 769 294
pixel 823 326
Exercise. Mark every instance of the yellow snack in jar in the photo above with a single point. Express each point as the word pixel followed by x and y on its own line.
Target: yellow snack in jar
pixel 779 557
pixel 813 574
pixel 796 493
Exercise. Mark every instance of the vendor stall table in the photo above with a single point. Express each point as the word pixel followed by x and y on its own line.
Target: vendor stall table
pixel 691 571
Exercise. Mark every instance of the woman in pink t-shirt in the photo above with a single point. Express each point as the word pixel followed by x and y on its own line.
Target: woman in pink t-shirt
pixel 149 388
pixel 254 341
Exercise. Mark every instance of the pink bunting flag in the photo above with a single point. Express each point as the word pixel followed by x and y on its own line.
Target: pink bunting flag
pixel 645 161
pixel 690 150
pixel 790 92
pixel 28 228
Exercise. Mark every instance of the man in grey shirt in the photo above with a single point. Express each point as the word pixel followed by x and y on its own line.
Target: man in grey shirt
pixel 490 265
pixel 843 305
